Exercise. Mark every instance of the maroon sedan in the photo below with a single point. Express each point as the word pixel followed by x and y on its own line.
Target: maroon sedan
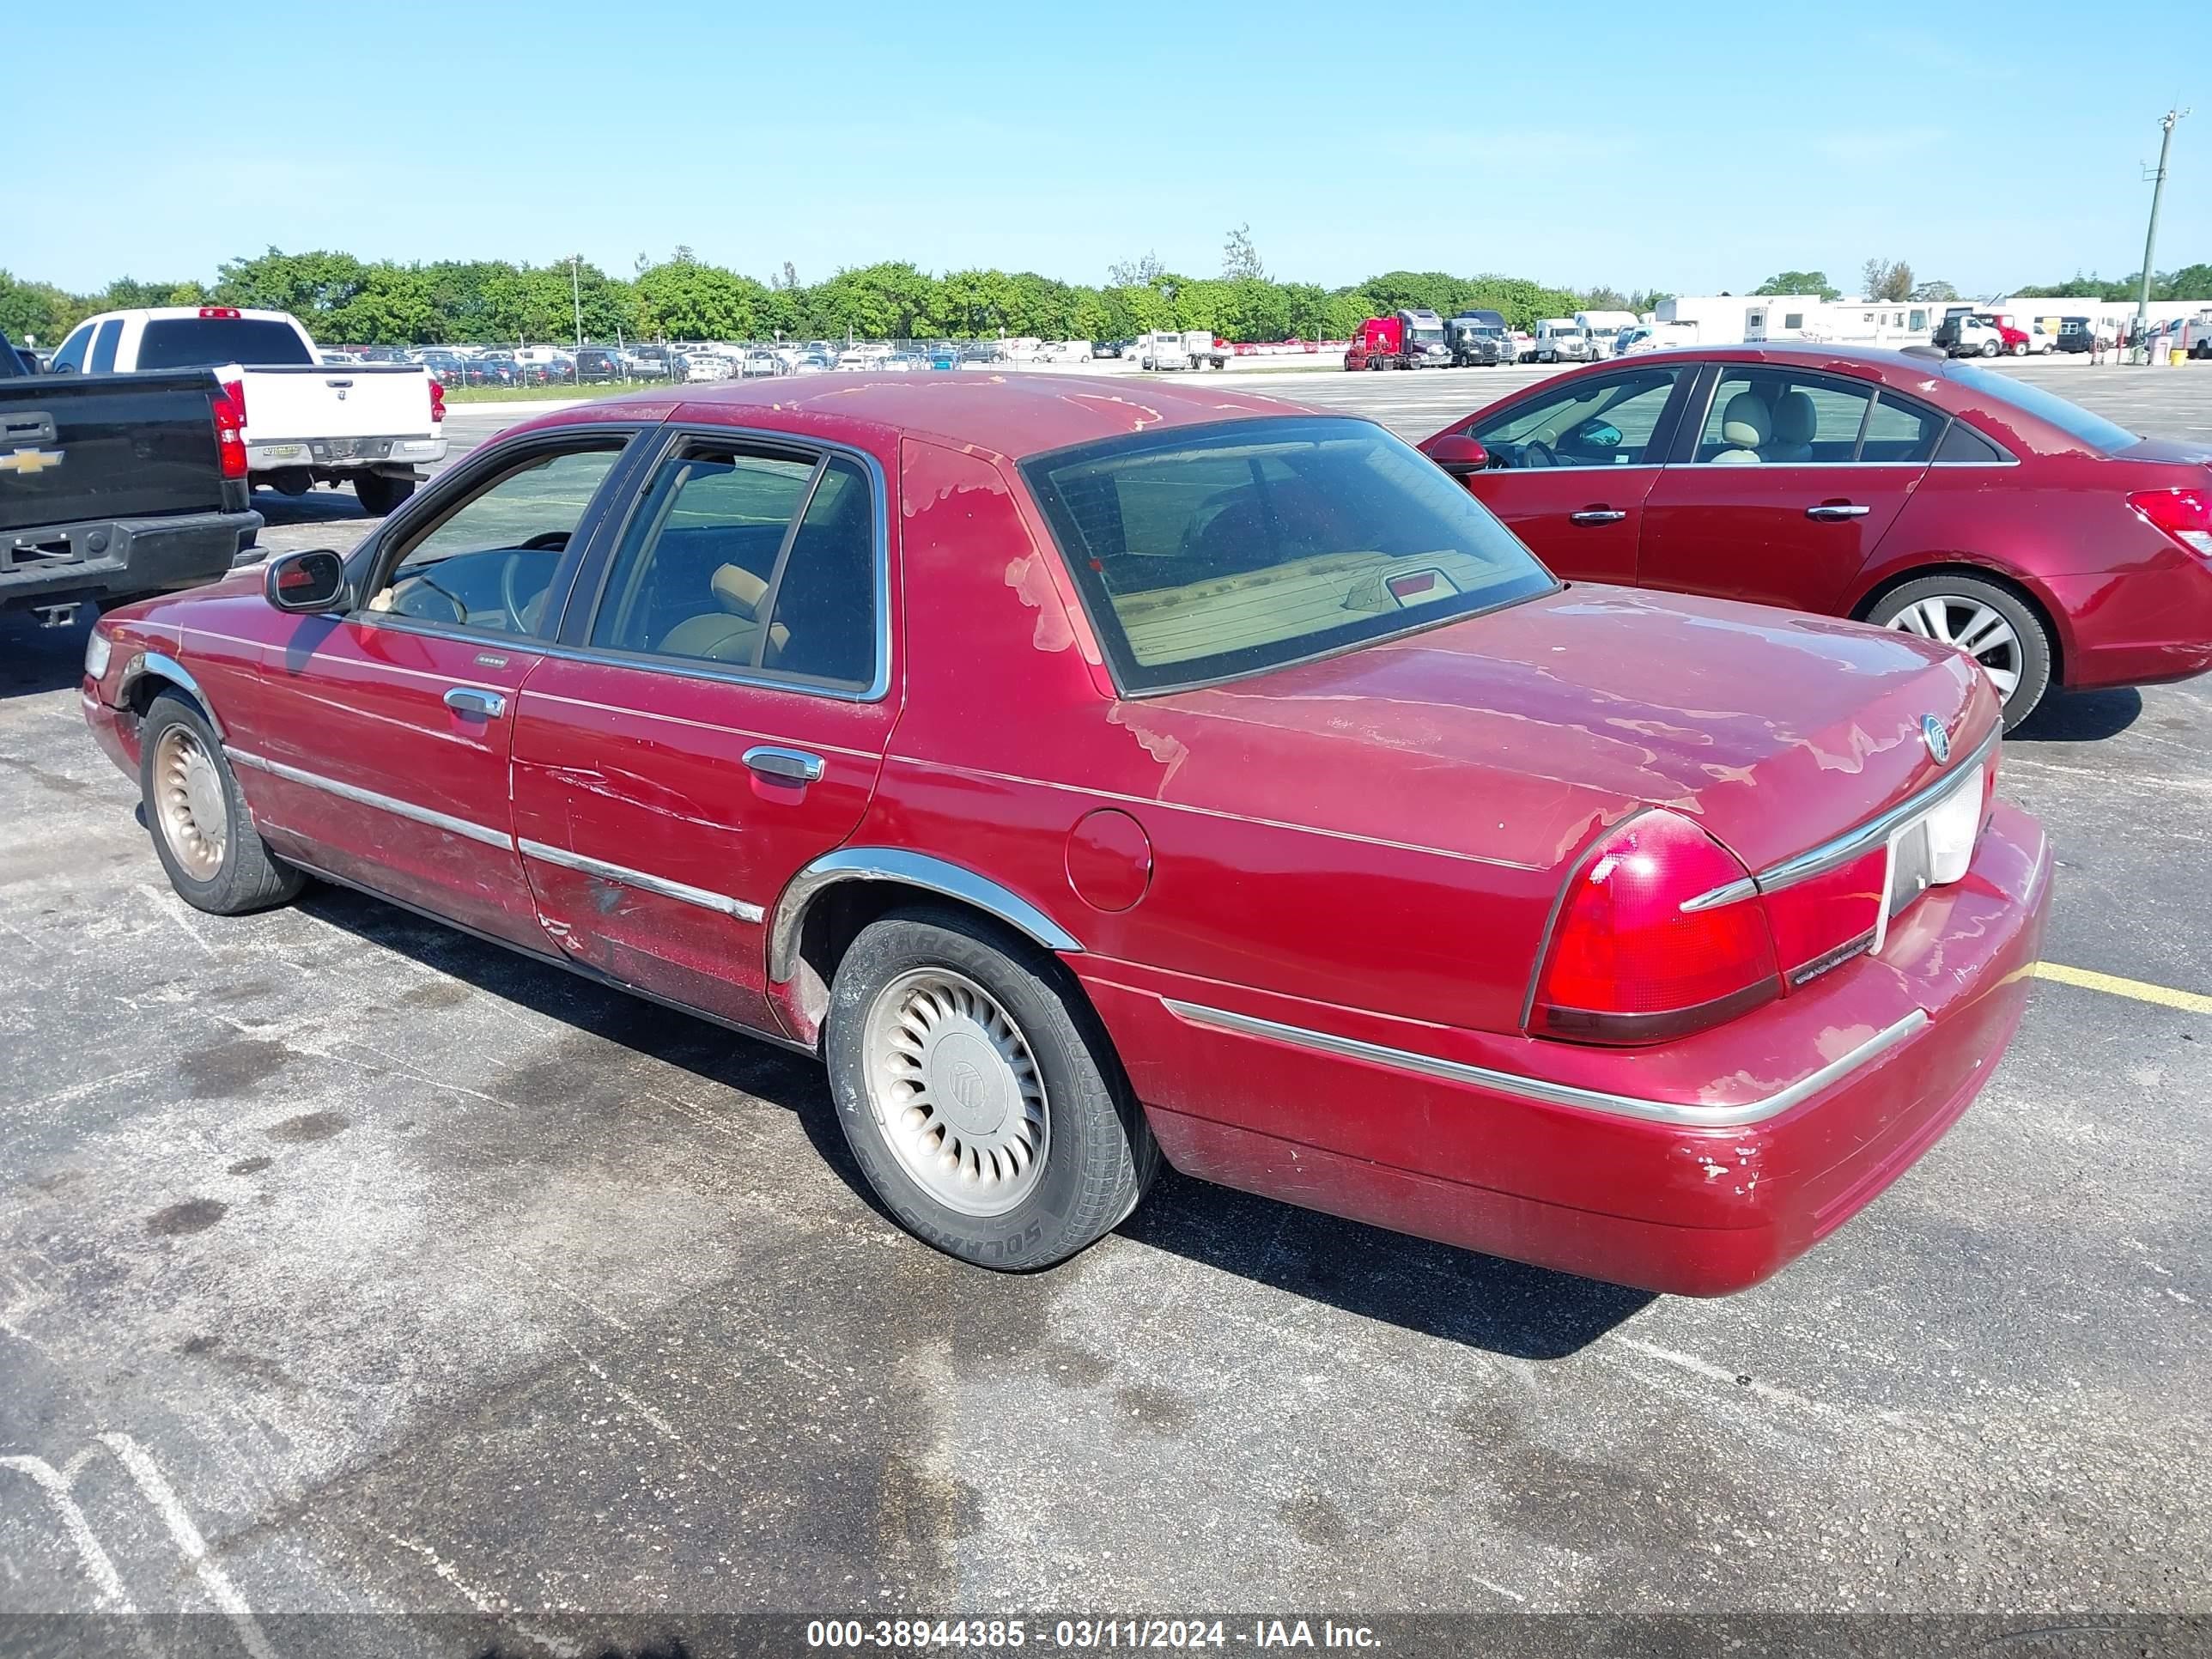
pixel 1088 777
pixel 2057 549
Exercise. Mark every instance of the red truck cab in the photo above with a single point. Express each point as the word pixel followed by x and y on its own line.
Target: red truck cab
pixel 1377 343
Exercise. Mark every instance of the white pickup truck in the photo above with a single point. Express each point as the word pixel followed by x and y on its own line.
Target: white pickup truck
pixel 306 422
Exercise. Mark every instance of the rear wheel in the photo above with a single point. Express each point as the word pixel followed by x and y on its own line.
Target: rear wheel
pixel 206 840
pixel 379 494
pixel 978 1094
pixel 1989 624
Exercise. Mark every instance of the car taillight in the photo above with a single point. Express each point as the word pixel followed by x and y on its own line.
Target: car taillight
pixel 227 312
pixel 1628 963
pixel 2183 514
pixel 437 401
pixel 230 429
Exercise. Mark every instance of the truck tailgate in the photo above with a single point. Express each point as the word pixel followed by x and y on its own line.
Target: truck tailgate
pixel 77 447
pixel 292 403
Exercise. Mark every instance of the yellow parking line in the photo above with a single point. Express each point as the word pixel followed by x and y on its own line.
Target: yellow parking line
pixel 2190 1002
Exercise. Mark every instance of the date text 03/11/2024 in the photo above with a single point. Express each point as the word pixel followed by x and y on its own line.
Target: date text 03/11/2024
pixel 1127 1633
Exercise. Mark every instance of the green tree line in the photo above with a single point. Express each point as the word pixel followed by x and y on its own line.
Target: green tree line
pixel 344 301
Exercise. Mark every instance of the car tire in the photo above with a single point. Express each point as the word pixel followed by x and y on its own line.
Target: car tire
pixel 932 998
pixel 1908 609
pixel 1989 348
pixel 197 814
pixel 379 496
pixel 2020 351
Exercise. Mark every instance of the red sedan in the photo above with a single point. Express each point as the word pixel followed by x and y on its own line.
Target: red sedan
pixel 2056 548
pixel 1088 777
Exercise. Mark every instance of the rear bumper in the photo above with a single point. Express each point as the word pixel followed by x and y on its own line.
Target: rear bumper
pixel 100 557
pixel 344 454
pixel 2149 622
pixel 1698 1169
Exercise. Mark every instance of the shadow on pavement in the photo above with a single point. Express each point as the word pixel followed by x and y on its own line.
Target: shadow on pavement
pixel 33 660
pixel 332 507
pixel 2081 717
pixel 1504 1306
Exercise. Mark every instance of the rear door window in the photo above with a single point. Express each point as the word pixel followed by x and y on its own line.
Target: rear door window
pixel 764 563
pixel 103 346
pixel 1776 416
pixel 1900 431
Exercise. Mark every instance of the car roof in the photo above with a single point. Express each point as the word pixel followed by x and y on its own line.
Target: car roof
pixel 1010 415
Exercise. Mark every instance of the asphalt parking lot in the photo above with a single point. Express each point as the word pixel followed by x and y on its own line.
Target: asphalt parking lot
pixel 347 1264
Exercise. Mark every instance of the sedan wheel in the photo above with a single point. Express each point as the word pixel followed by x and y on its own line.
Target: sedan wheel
pixel 1975 629
pixel 203 832
pixel 956 1091
pixel 978 1092
pixel 190 807
pixel 1989 623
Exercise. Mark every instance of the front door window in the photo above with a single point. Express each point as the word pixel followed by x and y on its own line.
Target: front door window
pixel 488 563
pixel 1609 422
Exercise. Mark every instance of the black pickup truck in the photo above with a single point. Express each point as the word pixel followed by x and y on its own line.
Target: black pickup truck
pixel 115 486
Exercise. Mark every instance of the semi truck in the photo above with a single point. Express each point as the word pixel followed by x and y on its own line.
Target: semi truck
pixel 1410 337
pixel 1479 339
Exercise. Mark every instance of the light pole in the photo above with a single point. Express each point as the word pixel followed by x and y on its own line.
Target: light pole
pixel 576 294
pixel 2167 124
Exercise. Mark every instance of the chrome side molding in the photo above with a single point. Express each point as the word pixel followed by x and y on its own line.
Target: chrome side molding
pixel 1558 1094
pixel 359 796
pixel 931 875
pixel 642 881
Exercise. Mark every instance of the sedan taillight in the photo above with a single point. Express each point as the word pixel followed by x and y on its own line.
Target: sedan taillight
pixel 1629 963
pixel 2183 514
pixel 1662 932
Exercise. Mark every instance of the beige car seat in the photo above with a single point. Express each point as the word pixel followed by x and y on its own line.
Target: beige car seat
pixel 1746 428
pixel 726 634
pixel 1796 420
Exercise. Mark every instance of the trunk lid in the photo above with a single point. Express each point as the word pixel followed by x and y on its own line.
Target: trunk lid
pixel 1517 736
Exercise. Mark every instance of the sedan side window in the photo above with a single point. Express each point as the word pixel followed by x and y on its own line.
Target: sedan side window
pixel 1609 422
pixel 1786 418
pixel 488 561
pixel 1901 431
pixel 760 563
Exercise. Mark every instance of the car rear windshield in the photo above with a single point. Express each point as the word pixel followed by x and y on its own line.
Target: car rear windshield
pixel 1206 553
pixel 2072 419
pixel 207 341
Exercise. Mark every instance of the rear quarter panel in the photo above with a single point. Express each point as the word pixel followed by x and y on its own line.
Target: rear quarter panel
pixel 1012 734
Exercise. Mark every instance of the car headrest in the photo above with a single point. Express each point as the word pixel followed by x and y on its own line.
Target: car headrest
pixel 1794 418
pixel 1746 423
pixel 738 591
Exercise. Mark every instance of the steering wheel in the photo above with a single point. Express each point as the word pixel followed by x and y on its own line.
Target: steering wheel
pixel 1538 447
pixel 550 541
pixel 418 579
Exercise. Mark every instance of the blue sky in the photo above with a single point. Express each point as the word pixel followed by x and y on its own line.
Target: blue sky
pixel 1695 147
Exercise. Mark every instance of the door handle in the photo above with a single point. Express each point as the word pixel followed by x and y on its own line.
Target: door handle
pixel 785 765
pixel 1837 510
pixel 483 705
pixel 1597 515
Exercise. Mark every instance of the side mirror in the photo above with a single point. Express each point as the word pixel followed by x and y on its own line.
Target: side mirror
pixel 305 582
pixel 1457 453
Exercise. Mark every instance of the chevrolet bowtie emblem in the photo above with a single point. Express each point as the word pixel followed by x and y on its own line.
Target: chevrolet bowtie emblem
pixel 29 461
